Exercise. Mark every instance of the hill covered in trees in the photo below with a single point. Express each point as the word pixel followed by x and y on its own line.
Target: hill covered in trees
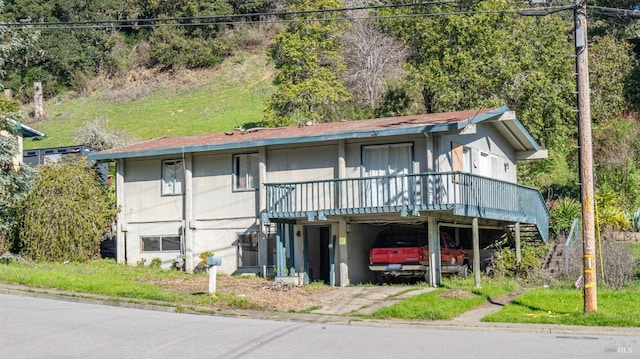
pixel 145 69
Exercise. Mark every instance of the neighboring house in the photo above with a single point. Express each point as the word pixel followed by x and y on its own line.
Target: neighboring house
pixel 40 156
pixel 24 131
pixel 311 199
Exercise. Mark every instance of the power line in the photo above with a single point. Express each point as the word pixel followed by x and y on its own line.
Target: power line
pixel 620 13
pixel 148 23
pixel 227 16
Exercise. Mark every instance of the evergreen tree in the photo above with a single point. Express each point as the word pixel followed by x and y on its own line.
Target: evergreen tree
pixel 308 59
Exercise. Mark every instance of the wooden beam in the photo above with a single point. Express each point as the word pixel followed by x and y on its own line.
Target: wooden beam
pixel 476 251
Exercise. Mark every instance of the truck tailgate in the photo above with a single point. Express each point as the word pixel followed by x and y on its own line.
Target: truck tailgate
pixel 395 255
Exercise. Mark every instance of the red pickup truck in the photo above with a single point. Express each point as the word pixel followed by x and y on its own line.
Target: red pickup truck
pixel 403 252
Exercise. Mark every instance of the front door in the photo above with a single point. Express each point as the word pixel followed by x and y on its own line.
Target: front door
pixel 317 259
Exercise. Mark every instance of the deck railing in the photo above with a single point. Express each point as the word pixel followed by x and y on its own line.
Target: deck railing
pixel 462 193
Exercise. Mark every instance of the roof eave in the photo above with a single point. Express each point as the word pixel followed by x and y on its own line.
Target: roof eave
pixel 106 156
pixel 511 128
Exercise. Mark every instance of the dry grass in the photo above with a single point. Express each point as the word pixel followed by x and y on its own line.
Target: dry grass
pixel 262 293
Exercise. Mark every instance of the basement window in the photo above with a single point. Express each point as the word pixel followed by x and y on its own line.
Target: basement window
pixel 170 243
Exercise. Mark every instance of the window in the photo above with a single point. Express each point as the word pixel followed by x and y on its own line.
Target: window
pixel 160 244
pixel 172 177
pixel 248 249
pixel 392 161
pixel 245 172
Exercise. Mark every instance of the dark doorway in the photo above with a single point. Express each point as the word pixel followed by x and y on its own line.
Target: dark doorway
pixel 317 253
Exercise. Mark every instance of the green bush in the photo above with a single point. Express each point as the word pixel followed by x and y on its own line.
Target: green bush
pixel 156 263
pixel 66 213
pixel 505 263
pixel 563 213
pixel 171 49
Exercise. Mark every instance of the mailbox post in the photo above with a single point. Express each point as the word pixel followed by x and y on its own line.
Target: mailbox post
pixel 213 263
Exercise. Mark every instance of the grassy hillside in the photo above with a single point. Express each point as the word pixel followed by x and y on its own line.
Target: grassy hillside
pixel 185 103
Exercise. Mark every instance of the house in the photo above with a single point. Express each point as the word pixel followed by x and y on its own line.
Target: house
pixel 23 131
pixel 40 156
pixel 308 201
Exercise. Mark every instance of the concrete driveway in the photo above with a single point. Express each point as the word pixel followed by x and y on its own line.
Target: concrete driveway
pixel 364 299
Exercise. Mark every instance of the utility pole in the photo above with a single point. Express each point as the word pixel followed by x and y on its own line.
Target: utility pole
pixel 586 157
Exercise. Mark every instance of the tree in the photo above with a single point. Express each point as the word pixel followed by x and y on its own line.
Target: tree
pixel 63 57
pixel 308 59
pixel 492 58
pixel 611 63
pixel 13 43
pixel 373 59
pixel 15 179
pixel 66 213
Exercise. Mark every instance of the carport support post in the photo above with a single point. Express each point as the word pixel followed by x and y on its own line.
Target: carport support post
pixel 435 278
pixel 518 251
pixel 475 233
pixel 280 251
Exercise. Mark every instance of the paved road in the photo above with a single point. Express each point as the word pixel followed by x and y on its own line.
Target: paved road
pixel 47 328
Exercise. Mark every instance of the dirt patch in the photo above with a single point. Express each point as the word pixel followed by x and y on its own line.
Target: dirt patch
pixel 257 293
pixel 456 293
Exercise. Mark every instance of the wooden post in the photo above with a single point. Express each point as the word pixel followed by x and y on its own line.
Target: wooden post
pixel 433 240
pixel 8 94
pixel 586 158
pixel 518 250
pixel 475 233
pixel 38 101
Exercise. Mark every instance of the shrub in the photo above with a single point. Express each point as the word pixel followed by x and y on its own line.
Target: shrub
pixel 171 49
pixel 505 264
pixel 563 213
pixel 96 134
pixel 609 208
pixel 66 213
pixel 156 263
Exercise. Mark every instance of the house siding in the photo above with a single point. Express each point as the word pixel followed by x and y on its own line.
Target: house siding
pixel 143 193
pixel 304 163
pixel 213 197
pixel 211 214
pixel 483 140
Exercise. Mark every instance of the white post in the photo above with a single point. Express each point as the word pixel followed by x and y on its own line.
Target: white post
pixel 212 279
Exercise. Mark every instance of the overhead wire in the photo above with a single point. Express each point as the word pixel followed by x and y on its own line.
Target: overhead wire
pixel 246 19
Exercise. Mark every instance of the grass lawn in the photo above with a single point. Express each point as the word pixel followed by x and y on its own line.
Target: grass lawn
pixel 161 287
pixel 98 277
pixel 565 306
pixel 455 297
pixel 104 277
